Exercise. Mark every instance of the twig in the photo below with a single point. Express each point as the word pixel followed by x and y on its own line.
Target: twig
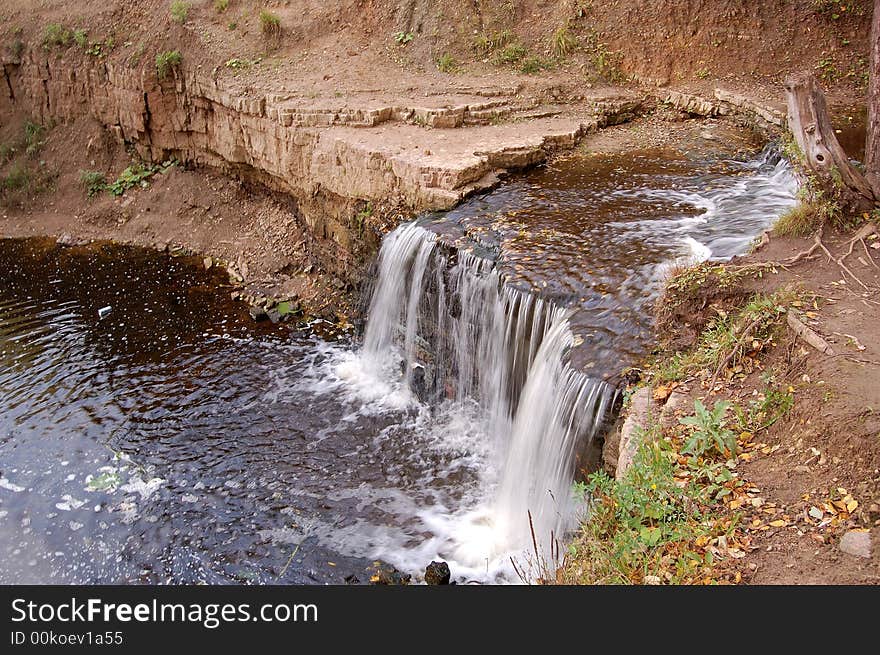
pixel 736 347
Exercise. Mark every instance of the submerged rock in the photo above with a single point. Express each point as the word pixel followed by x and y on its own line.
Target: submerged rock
pixel 437 573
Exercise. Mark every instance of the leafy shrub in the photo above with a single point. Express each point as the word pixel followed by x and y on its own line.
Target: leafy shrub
pixel 93 181
pixel 80 37
pixel 179 11
pixel 402 38
pixel 166 61
pixel 33 137
pixel 511 54
pixel 55 35
pixel 532 65
pixel 19 178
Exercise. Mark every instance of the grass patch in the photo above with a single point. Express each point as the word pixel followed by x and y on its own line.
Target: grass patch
pixel 532 65
pixel 801 220
pixel 562 43
pixel 81 38
pixel 18 178
pixel 402 38
pixel 221 5
pixel 270 24
pixel 55 35
pixel 166 62
pixel 488 42
pixel 93 181
pixel 512 53
pixel 446 63
pixel 33 137
pixel 179 11
pixel 653 525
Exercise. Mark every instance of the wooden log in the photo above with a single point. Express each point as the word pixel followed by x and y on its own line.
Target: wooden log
pixel 810 124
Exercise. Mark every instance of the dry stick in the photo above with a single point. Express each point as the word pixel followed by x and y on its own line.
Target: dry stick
pixel 736 347
pixel 807 334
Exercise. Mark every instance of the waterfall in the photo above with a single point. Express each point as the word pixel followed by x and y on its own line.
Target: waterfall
pixel 445 321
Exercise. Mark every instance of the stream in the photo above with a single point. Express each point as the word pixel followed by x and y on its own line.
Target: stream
pixel 151 432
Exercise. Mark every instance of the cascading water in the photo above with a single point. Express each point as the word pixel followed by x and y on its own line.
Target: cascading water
pixel 477 340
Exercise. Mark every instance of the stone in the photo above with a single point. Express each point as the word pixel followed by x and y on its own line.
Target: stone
pixel 856 543
pixel 437 573
pixel 388 575
pixel 258 313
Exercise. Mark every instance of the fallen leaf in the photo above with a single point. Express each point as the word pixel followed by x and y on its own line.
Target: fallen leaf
pixel 778 523
pixel 851 505
pixel 816 513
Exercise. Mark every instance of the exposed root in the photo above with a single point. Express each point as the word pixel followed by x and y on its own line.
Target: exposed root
pixel 818 244
pixel 864 232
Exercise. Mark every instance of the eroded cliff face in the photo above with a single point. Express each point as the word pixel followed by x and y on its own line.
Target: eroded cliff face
pixel 329 156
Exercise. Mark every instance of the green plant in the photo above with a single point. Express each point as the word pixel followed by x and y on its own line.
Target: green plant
pixel 270 24
pixel 511 54
pixel 704 73
pixel 763 412
pixel 531 65
pixel 801 220
pixel 402 38
pixel 644 525
pixel 55 35
pixel 80 37
pixel 33 137
pixel 17 48
pixel 232 25
pixel 710 434
pixel 93 181
pixel 238 64
pixel 167 61
pixel 19 178
pixel 488 42
pixel 179 11
pixel 138 174
pixel 446 63
pixel 562 43
pixel 221 5
pixel 7 152
pixel 362 216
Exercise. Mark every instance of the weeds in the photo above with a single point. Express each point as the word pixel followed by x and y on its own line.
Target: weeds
pixel 179 11
pixel 138 174
pixel 56 35
pixel 93 181
pixel 643 527
pixel 446 63
pixel 531 65
pixel 221 5
pixel 710 435
pixel 33 137
pixel 512 53
pixel 562 43
pixel 402 38
pixel 270 24
pixel 80 37
pixel 487 43
pixel 19 178
pixel 166 62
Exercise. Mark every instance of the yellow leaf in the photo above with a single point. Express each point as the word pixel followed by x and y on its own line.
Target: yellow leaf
pixel 778 523
pixel 851 505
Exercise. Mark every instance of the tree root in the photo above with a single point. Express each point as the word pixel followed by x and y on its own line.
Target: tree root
pixel 818 244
